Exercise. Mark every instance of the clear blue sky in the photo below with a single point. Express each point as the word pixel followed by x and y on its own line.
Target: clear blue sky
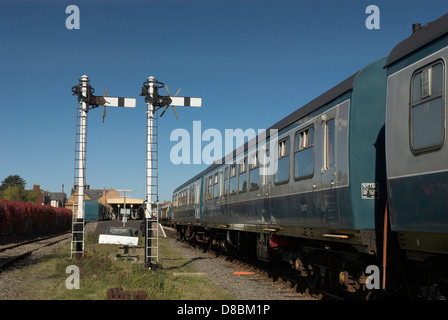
pixel 252 62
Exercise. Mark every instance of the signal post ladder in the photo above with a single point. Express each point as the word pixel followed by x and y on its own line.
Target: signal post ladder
pixel 154 102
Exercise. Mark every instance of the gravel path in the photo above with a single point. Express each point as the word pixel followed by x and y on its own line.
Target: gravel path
pixel 245 287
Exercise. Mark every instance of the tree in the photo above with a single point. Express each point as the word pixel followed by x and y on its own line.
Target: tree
pixel 13 189
pixel 15 193
pixel 11 181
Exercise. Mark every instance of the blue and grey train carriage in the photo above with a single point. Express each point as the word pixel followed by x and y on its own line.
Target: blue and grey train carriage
pixel 416 141
pixel 361 177
pixel 323 200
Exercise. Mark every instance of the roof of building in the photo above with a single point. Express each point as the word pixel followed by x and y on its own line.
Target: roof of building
pixel 59 196
pixel 94 194
pixel 128 201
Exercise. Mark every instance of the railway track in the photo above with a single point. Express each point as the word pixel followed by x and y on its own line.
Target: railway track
pixel 278 273
pixel 283 274
pixel 11 254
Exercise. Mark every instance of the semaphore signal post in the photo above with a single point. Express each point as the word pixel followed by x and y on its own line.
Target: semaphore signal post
pixel 86 102
pixel 155 102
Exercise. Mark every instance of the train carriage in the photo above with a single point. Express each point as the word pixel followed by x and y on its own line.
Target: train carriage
pixel 417 149
pixel 187 201
pixel 360 178
pixel 328 158
pixel 316 184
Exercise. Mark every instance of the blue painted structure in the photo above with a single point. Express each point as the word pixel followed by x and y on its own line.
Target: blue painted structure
pixel 94 211
pixel 331 201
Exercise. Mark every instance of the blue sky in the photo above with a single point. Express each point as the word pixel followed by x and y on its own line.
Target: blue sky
pixel 252 62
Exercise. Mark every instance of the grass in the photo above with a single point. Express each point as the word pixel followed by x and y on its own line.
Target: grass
pixel 100 270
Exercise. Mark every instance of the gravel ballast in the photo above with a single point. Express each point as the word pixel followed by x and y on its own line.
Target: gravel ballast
pixel 245 287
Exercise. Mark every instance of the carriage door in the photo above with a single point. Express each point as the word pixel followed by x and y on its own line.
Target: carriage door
pixel 223 177
pixel 196 201
pixel 329 212
pixel 266 164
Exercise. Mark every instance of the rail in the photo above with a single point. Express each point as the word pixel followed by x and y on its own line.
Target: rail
pixel 11 254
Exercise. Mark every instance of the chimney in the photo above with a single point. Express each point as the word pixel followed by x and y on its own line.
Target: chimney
pixel 40 199
pixel 104 196
pixel 416 27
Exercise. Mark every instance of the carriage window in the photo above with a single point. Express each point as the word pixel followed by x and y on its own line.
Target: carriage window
pixel 282 174
pixel 220 183
pixel 329 144
pixel 233 179
pixel 266 166
pixel 226 181
pixel 304 153
pixel 427 108
pixel 216 186
pixel 197 193
pixel 210 188
pixel 188 196
pixel 242 180
pixel 254 174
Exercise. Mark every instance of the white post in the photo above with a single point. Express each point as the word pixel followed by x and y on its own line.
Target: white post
pixel 82 147
pixel 149 147
pixel 125 219
pixel 151 189
pixel 154 102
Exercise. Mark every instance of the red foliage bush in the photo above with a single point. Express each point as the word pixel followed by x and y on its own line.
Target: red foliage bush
pixel 22 218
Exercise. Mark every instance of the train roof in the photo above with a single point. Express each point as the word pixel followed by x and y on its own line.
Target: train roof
pixel 317 103
pixel 324 99
pixel 421 37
